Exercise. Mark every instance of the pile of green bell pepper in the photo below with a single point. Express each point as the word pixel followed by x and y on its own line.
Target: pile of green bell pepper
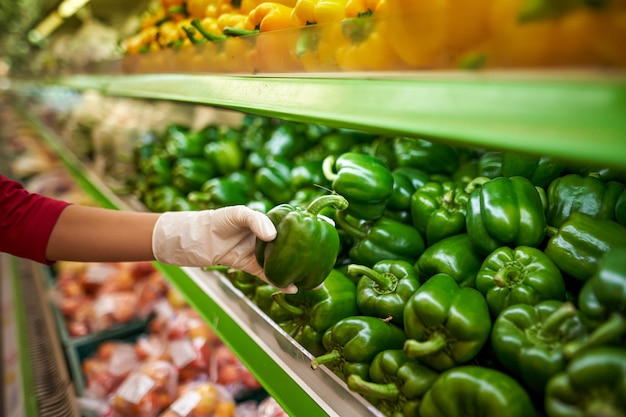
pixel 456 281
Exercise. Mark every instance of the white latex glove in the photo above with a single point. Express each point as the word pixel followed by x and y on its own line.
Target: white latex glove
pixel 224 236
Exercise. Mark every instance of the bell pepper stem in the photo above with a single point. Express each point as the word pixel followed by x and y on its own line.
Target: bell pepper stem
pixel 208 35
pixel 327 168
pixel 475 183
pixel 321 202
pixel 385 282
pixel 507 276
pixel 387 392
pixel 608 331
pixel 556 319
pixel 353 230
pixel 279 298
pixel 551 231
pixel 448 197
pixel 417 349
pixel 330 357
pixel 234 32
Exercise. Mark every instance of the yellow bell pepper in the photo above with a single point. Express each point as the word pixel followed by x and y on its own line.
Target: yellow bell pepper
pixel 143 41
pixel 247 6
pixel 233 20
pixel 417 29
pixel 366 47
pixel 307 12
pixel 269 16
pixel 356 8
pixel 197 8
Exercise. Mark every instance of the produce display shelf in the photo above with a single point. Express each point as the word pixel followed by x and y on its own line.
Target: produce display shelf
pixel 280 364
pixel 576 115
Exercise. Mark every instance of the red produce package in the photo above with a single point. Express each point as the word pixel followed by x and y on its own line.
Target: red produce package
pixel 201 399
pixel 105 370
pixel 147 391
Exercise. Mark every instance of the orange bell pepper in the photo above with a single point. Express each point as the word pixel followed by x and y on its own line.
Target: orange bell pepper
pixel 246 6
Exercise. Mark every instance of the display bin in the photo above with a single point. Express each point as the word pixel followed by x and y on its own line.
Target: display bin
pixel 76 349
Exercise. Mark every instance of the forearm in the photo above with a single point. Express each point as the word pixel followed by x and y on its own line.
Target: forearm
pixel 88 234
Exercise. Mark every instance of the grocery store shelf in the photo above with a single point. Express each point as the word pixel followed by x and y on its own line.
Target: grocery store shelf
pixel 577 116
pixel 273 357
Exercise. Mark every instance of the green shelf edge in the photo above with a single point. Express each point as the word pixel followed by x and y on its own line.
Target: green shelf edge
pixel 578 117
pixel 277 381
pixel 29 396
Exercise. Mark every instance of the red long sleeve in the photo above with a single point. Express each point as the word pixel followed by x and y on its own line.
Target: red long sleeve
pixel 26 221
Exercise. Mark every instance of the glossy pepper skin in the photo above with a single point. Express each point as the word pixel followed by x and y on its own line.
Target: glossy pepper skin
pixel 522 275
pixel 505 212
pixel 528 340
pixel 540 170
pixel 352 343
pixel 602 300
pixel 383 290
pixel 585 194
pixel 363 180
pixel 274 180
pixel 381 239
pixel 445 325
pixel 593 384
pixel 406 181
pixel 189 173
pixel 438 209
pixel 454 256
pixel 219 192
pixel 288 259
pixel 397 383
pixel 430 157
pixel 309 313
pixel 473 391
pixel 581 242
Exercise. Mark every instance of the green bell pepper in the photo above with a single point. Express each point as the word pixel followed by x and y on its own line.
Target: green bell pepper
pixel 474 391
pixel 521 275
pixel 397 383
pixel 219 192
pixel 430 157
pixel 190 173
pixel 352 343
pixel 540 170
pixel 445 325
pixel 164 198
pixel 383 290
pixel 602 300
pixel 528 340
pixel 490 164
pixel 505 212
pixel 226 155
pixel 158 170
pixel 287 141
pixel 335 142
pixel 581 242
pixel 308 174
pixel 309 313
pixel 244 282
pixel 363 180
pixel 575 193
pixel 620 208
pixel 454 256
pixel 592 384
pixel 289 258
pixel 274 180
pixel 381 239
pixel 180 142
pixel 438 209
pixel 406 181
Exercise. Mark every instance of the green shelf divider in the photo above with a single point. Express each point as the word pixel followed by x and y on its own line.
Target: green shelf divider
pixel 579 117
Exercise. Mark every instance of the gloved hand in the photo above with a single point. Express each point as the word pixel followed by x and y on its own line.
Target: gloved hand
pixel 224 236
